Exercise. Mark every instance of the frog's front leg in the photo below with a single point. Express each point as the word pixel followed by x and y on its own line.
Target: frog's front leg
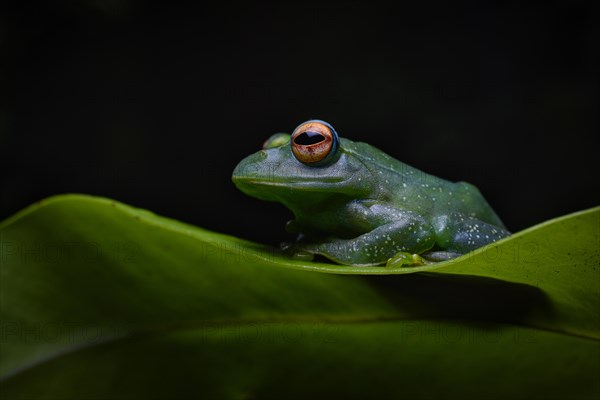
pixel 403 237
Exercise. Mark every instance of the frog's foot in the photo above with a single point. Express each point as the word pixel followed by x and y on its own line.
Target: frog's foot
pixel 297 252
pixel 403 259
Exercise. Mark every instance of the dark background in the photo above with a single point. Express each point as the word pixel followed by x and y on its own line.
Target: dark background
pixel 154 104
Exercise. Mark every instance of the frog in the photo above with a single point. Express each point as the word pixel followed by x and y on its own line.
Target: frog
pixel 357 206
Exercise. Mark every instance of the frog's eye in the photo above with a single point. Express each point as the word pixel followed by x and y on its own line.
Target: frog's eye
pixel 313 141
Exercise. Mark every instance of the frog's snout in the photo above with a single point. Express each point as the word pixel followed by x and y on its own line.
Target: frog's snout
pixel 250 166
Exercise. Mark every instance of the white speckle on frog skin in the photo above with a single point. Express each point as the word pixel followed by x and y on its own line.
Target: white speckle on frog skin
pixel 404 184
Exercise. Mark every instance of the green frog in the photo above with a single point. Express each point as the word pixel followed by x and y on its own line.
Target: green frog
pixel 356 205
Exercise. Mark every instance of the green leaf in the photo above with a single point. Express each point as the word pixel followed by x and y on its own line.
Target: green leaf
pixel 102 300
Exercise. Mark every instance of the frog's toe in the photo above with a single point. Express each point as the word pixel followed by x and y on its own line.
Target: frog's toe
pixel 297 252
pixel 403 259
pixel 303 256
pixel 439 256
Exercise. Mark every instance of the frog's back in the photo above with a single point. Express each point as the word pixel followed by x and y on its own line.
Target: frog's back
pixel 381 163
pixel 413 189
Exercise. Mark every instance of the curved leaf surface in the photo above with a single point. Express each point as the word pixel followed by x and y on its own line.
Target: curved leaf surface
pixel 99 299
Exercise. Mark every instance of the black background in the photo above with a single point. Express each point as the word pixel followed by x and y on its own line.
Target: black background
pixel 154 104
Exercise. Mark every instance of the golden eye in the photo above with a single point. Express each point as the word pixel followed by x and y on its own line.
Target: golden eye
pixel 313 140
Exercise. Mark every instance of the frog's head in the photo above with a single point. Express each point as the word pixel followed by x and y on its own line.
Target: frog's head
pixel 308 167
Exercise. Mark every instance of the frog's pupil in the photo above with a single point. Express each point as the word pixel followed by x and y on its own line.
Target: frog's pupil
pixel 307 138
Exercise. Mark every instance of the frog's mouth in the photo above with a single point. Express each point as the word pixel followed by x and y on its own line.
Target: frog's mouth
pixel 290 182
pixel 298 191
pixel 250 185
